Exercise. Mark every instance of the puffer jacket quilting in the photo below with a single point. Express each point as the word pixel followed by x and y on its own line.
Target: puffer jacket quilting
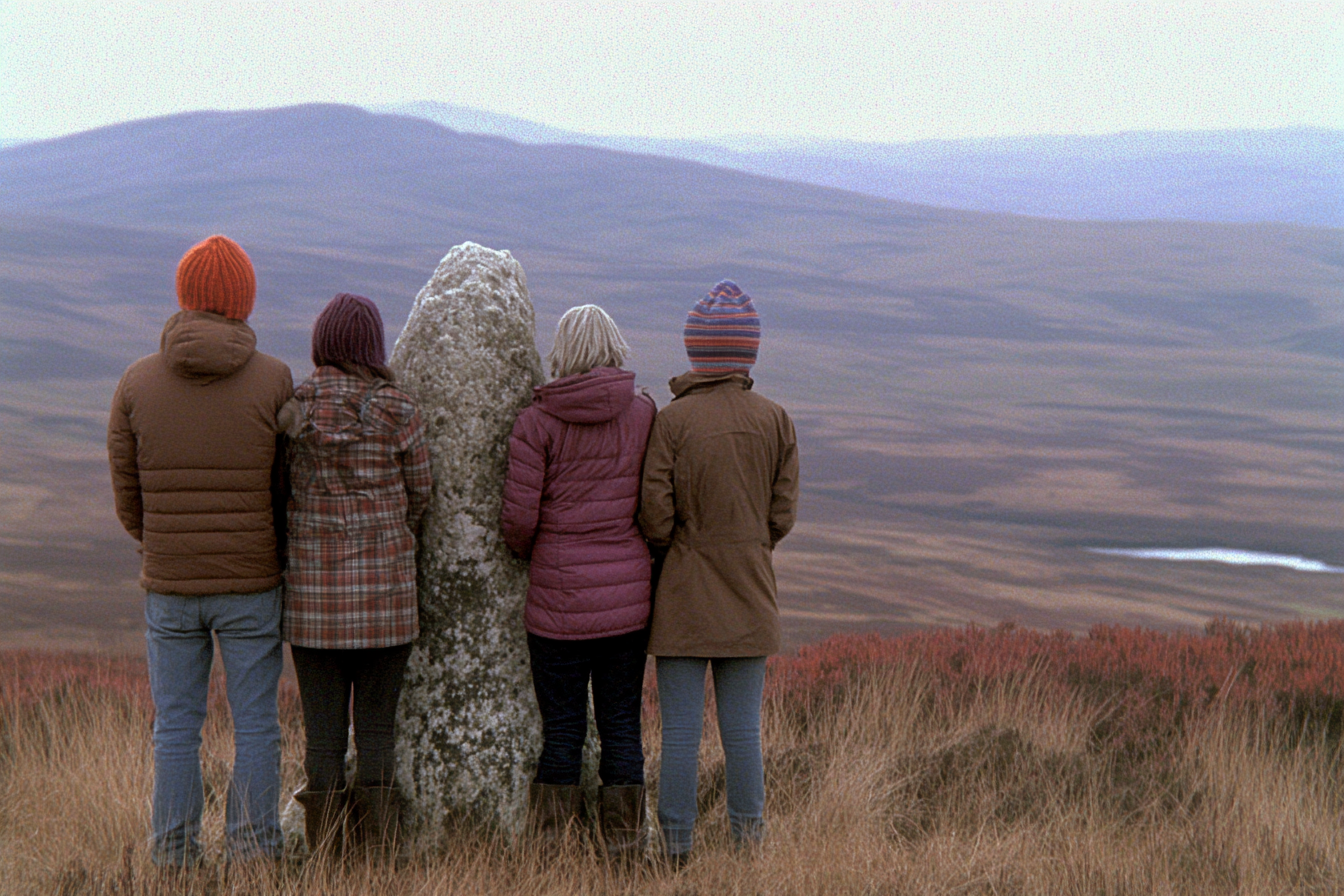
pixel 191 439
pixel 570 499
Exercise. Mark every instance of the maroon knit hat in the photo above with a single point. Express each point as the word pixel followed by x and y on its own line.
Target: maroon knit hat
pixel 350 331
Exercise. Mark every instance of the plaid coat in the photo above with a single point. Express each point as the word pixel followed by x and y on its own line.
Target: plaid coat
pixel 360 481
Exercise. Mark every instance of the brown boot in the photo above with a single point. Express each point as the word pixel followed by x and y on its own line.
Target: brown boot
pixel 621 820
pixel 554 812
pixel 377 820
pixel 324 820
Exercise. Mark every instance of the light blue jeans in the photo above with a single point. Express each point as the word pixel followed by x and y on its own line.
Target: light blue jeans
pixel 180 654
pixel 738 683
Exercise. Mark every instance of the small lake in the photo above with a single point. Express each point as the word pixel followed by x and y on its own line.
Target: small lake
pixel 1222 555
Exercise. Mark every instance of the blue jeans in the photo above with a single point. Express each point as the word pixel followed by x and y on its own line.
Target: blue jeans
pixel 738 683
pixel 180 654
pixel 560 674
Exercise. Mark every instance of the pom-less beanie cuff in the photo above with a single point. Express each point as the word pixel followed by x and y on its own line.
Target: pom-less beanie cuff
pixel 216 276
pixel 349 330
pixel 723 331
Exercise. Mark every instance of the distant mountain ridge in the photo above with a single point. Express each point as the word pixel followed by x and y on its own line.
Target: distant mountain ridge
pixel 1292 175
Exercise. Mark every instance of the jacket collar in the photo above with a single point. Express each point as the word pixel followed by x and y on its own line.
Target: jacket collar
pixel 694 382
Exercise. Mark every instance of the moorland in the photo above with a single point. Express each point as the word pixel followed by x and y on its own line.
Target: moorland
pixel 986 762
pixel 979 396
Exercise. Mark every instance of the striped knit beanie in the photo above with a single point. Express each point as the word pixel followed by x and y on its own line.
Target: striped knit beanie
pixel 723 331
pixel 349 330
pixel 216 276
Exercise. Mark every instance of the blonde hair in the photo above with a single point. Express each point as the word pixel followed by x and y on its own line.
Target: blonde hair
pixel 586 337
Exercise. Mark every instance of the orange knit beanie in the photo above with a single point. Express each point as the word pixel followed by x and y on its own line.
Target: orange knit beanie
pixel 216 275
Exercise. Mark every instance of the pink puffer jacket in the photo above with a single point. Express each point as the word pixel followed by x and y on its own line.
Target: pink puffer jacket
pixel 570 500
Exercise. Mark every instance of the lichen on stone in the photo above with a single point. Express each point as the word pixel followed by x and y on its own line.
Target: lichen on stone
pixel 468 727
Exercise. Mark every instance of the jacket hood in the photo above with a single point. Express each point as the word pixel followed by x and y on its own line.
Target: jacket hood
pixel 333 407
pixel 601 394
pixel 691 381
pixel 206 347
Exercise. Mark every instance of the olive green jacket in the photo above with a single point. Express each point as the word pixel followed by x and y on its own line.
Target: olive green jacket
pixel 719 490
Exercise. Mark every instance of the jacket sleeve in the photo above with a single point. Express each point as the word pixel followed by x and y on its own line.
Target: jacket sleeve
pixel 123 457
pixel 784 492
pixel 523 485
pixel 416 471
pixel 280 498
pixel 657 498
pixel 280 473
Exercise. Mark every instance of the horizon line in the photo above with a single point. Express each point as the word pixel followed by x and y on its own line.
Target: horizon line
pixel 8 141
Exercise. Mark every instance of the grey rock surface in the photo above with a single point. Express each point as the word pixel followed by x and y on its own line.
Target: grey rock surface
pixel 468 727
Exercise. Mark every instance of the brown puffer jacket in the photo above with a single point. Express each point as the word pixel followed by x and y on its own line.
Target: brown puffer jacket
pixel 720 489
pixel 192 442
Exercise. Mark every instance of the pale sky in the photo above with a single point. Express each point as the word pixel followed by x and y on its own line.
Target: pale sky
pixel 877 71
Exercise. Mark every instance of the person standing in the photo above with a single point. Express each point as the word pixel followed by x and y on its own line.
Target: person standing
pixel 720 489
pixel 360 483
pixel 198 482
pixel 570 498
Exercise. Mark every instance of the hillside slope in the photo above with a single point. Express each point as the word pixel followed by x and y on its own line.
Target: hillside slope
pixel 1288 175
pixel 978 396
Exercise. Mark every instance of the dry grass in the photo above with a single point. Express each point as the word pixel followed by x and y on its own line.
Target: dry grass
pixel 882 782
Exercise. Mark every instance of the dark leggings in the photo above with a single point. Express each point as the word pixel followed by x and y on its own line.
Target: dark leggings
pixel 326 678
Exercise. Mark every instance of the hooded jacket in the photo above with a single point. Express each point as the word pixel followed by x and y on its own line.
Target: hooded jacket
pixel 570 500
pixel 192 440
pixel 360 482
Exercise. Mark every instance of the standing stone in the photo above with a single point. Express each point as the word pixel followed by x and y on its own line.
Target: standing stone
pixel 468 727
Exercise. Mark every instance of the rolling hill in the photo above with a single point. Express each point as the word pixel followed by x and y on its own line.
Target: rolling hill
pixel 1288 175
pixel 979 396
